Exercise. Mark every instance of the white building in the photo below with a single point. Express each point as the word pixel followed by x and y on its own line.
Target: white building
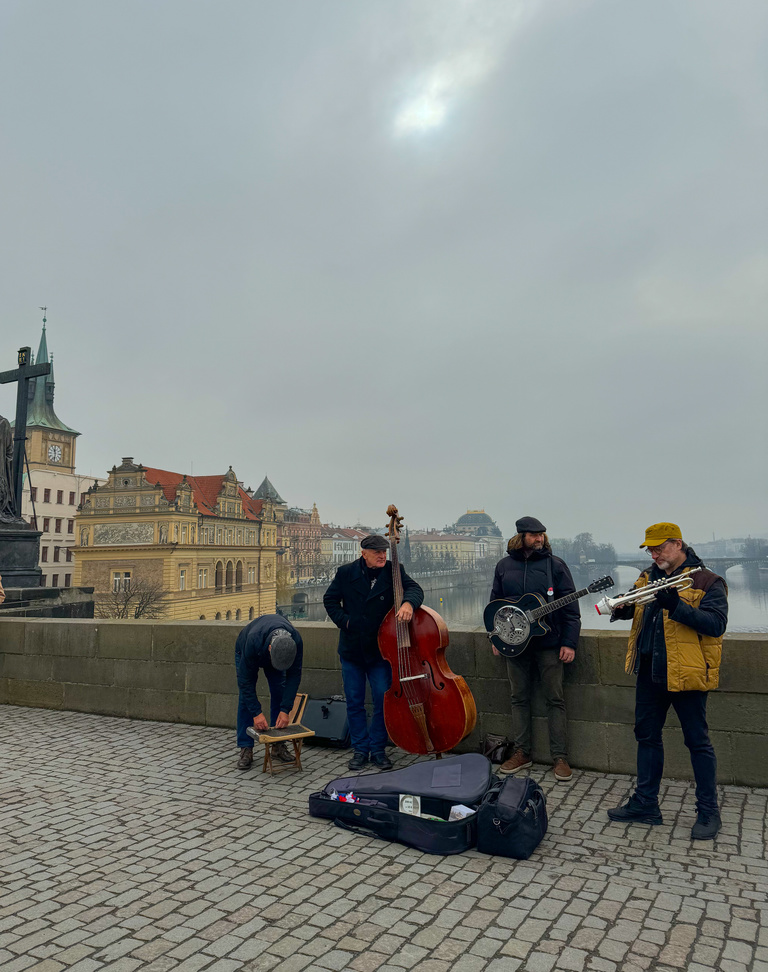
pixel 340 545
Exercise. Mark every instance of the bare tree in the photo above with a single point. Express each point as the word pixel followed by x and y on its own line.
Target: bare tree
pixel 142 599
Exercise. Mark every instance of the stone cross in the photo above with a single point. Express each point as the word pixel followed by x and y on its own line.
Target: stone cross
pixel 25 371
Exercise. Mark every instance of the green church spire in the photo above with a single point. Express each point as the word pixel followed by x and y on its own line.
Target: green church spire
pixel 41 413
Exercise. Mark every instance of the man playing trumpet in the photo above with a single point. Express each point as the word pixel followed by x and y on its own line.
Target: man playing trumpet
pixel 674 650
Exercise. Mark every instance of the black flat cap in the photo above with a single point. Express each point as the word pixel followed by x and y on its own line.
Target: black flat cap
pixel 529 524
pixel 374 542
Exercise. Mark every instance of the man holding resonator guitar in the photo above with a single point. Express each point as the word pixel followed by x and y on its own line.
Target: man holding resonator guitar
pixel 525 583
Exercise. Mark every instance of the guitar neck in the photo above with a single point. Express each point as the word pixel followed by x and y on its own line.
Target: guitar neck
pixel 545 609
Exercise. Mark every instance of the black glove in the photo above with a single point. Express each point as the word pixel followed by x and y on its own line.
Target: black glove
pixel 668 598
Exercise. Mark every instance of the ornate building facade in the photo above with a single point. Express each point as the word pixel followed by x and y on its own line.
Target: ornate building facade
pixel 299 538
pixel 202 540
pixel 302 529
pixel 52 490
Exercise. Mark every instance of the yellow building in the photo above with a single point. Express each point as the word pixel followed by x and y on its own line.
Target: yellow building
pixel 447 549
pixel 202 540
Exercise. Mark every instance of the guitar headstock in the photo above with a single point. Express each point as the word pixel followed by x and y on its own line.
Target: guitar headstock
pixel 601 584
pixel 393 526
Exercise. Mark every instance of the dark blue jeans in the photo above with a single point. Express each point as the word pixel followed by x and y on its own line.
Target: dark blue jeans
pixel 379 675
pixel 652 702
pixel 276 684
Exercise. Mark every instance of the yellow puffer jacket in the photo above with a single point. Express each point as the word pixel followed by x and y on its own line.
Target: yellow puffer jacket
pixel 693 659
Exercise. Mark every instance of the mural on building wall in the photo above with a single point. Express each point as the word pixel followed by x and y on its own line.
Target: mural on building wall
pixel 123 533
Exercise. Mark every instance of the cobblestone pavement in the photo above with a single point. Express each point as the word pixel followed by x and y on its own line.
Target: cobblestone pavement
pixel 137 845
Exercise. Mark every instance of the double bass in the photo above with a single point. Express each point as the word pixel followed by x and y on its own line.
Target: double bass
pixel 428 709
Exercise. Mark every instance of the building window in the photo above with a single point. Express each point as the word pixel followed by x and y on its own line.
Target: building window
pixel 182 580
pixel 72 498
pixel 46 524
pixel 70 526
pixel 44 557
pixel 82 498
pixel 229 615
pixel 58 526
pixel 56 551
pixel 183 534
pixel 121 582
pixel 59 495
pixel 202 576
pixel 33 493
pixel 67 580
pixel 46 496
pixel 69 555
pixel 251 575
pixel 55 580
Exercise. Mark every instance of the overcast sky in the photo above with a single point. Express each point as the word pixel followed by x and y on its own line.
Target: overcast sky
pixel 504 255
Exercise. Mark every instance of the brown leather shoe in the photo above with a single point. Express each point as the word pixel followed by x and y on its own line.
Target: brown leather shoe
pixel 516 762
pixel 562 770
pixel 246 758
pixel 280 751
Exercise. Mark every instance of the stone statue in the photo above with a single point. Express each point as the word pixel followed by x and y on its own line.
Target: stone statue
pixel 163 533
pixel 83 538
pixel 7 504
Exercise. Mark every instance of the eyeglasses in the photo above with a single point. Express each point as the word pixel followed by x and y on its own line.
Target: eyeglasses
pixel 654 550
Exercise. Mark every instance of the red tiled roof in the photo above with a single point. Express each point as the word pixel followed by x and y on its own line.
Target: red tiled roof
pixel 205 491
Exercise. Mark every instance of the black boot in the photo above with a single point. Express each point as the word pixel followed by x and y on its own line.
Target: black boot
pixel 381 761
pixel 358 761
pixel 634 812
pixel 707 826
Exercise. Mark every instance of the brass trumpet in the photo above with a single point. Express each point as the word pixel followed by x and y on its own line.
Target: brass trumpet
pixel 642 595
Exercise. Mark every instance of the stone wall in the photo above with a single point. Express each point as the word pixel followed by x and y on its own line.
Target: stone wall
pixel 184 672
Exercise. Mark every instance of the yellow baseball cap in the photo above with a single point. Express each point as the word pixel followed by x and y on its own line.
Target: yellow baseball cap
pixel 656 535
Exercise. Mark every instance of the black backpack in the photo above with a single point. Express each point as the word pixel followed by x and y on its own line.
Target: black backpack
pixel 512 819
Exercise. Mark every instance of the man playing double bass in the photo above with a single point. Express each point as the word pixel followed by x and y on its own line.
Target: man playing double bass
pixel 357 601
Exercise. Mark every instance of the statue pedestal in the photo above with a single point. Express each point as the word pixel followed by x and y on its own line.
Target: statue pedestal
pixel 19 555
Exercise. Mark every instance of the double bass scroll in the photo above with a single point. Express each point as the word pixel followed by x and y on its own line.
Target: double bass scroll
pixel 428 709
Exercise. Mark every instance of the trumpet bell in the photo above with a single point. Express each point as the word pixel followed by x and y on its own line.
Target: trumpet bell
pixel 603 606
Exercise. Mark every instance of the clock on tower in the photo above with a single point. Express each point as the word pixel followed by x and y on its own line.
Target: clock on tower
pixel 54 453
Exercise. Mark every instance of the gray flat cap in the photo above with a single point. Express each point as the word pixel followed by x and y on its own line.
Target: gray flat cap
pixel 282 650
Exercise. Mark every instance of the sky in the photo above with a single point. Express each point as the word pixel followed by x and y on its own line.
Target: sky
pixel 470 254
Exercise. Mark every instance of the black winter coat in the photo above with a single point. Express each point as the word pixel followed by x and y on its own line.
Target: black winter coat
pixel 252 653
pixel 358 610
pixel 516 575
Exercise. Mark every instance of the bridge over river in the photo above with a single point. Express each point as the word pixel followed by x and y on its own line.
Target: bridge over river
pixel 719 564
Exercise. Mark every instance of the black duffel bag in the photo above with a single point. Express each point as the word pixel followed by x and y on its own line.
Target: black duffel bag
pixel 512 819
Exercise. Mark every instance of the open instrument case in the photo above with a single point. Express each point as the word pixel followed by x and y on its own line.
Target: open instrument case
pixel 437 785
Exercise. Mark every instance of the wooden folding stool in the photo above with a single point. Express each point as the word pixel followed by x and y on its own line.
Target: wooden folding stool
pixel 294 733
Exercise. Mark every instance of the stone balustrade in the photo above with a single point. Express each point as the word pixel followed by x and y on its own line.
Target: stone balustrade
pixel 182 671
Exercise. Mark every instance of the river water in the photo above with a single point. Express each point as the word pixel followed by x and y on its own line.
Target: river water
pixel 747 601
